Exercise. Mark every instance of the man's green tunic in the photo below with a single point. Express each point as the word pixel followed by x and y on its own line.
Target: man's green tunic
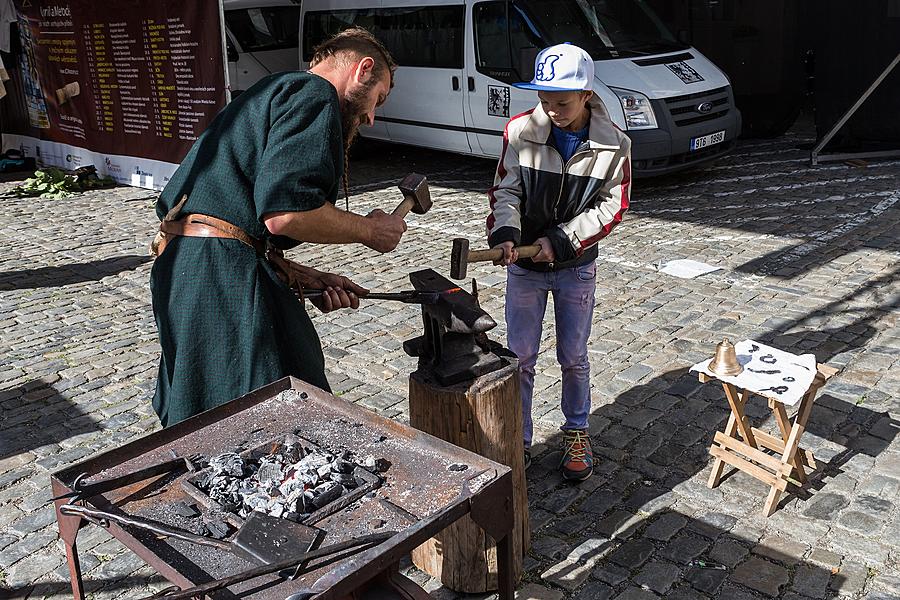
pixel 227 324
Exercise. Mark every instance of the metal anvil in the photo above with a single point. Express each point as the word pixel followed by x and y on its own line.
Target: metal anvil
pixel 455 346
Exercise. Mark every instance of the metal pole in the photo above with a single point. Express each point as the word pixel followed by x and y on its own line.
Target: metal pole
pixel 814 155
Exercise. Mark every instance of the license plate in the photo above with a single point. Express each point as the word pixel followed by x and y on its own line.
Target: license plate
pixel 707 140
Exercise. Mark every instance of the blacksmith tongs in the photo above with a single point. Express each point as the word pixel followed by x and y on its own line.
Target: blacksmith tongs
pixel 81 490
pixel 408 296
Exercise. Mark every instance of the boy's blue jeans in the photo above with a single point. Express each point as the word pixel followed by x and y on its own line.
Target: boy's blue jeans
pixel 573 302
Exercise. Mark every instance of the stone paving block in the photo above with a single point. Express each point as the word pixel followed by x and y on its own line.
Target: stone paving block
pixel 632 554
pixel 684 548
pixel 594 590
pixel 32 567
pixel 533 591
pixel 664 527
pixel 850 578
pixel 550 547
pixel 26 546
pixel 33 521
pixel 761 575
pixel 635 593
pixel 780 549
pixel 657 576
pixel 811 581
pixel 712 524
pixel 610 573
pixel 825 506
pixel 728 552
pixel 591 550
pixel 568 574
pixel 562 499
pixel 707 581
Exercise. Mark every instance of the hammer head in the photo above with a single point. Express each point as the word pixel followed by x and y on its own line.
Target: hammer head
pixel 415 186
pixel 459 258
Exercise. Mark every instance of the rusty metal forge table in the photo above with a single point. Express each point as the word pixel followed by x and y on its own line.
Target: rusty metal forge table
pixel 419 497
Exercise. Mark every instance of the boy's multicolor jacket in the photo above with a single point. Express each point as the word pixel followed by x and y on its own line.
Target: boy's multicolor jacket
pixel 575 204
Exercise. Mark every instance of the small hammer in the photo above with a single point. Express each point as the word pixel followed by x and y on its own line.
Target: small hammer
pixel 461 256
pixel 416 196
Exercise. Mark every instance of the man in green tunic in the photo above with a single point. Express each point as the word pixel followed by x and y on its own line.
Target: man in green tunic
pixel 262 178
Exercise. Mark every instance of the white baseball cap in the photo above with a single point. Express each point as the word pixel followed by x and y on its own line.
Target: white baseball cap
pixel 561 68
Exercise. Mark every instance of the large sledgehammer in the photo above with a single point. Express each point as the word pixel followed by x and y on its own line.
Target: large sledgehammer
pixel 461 256
pixel 416 196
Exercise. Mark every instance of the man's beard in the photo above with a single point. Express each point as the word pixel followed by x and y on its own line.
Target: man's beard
pixel 352 108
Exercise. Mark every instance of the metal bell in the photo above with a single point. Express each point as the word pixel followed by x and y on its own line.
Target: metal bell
pixel 725 361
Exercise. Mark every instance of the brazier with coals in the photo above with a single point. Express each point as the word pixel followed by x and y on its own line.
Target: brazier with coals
pixel 426 485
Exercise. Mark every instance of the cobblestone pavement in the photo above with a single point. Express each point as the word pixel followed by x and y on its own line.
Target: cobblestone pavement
pixel 809 263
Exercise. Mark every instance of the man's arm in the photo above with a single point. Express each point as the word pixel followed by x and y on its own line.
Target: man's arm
pixel 328 224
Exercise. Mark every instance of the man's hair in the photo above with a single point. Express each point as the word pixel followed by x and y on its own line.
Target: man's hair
pixel 353 44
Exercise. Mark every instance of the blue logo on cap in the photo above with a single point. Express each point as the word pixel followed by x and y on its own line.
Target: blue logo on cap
pixel 542 74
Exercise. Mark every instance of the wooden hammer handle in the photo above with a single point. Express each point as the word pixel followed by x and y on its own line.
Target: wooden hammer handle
pixel 497 253
pixel 404 207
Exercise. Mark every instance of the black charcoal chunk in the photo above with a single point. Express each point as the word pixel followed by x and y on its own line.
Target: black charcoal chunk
pixel 184 510
pixel 457 467
pixel 217 528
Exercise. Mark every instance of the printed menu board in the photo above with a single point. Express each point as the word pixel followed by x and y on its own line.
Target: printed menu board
pixel 121 78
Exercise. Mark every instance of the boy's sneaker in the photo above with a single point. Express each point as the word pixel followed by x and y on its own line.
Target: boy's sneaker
pixel 527 457
pixel 578 459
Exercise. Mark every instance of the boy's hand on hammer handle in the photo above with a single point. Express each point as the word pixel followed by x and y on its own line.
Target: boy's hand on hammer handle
pixel 509 256
pixel 505 253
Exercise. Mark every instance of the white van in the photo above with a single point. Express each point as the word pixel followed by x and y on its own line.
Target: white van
pixel 457 60
pixel 260 38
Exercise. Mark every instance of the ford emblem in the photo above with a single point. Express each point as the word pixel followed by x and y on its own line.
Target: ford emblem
pixel 705 107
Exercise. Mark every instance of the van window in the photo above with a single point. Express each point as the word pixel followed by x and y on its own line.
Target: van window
pixel 429 36
pixel 508 59
pixel 266 28
pixel 604 28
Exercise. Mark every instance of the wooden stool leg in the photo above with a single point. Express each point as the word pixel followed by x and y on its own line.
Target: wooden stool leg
pixel 736 400
pixel 790 447
pixel 771 501
pixel 784 424
pixel 719 464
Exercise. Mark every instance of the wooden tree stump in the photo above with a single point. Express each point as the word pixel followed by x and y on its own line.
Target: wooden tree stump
pixel 484 416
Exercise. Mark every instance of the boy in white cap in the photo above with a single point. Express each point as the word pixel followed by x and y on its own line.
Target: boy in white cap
pixel 563 182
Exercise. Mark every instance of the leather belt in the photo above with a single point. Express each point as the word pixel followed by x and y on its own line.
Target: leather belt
pixel 198 225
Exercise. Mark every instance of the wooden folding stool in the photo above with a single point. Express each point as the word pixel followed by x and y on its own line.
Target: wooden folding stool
pixel 775 470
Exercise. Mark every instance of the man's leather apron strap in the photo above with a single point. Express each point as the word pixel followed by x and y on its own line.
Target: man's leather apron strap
pixel 199 225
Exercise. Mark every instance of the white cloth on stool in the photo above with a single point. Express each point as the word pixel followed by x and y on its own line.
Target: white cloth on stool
pixel 769 372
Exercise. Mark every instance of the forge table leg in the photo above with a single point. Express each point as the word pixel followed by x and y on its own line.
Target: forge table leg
pixel 68 533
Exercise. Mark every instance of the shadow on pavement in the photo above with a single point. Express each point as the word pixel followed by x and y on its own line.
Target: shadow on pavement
pixel 35 415
pixel 654 437
pixel 43 277
pixel 682 556
pixel 63 589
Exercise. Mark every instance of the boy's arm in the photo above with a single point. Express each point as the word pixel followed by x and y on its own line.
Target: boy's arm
pixel 571 239
pixel 504 223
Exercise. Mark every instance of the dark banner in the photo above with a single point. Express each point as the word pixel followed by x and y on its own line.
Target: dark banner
pixel 122 78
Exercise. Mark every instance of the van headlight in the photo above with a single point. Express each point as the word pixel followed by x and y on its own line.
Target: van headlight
pixel 638 112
